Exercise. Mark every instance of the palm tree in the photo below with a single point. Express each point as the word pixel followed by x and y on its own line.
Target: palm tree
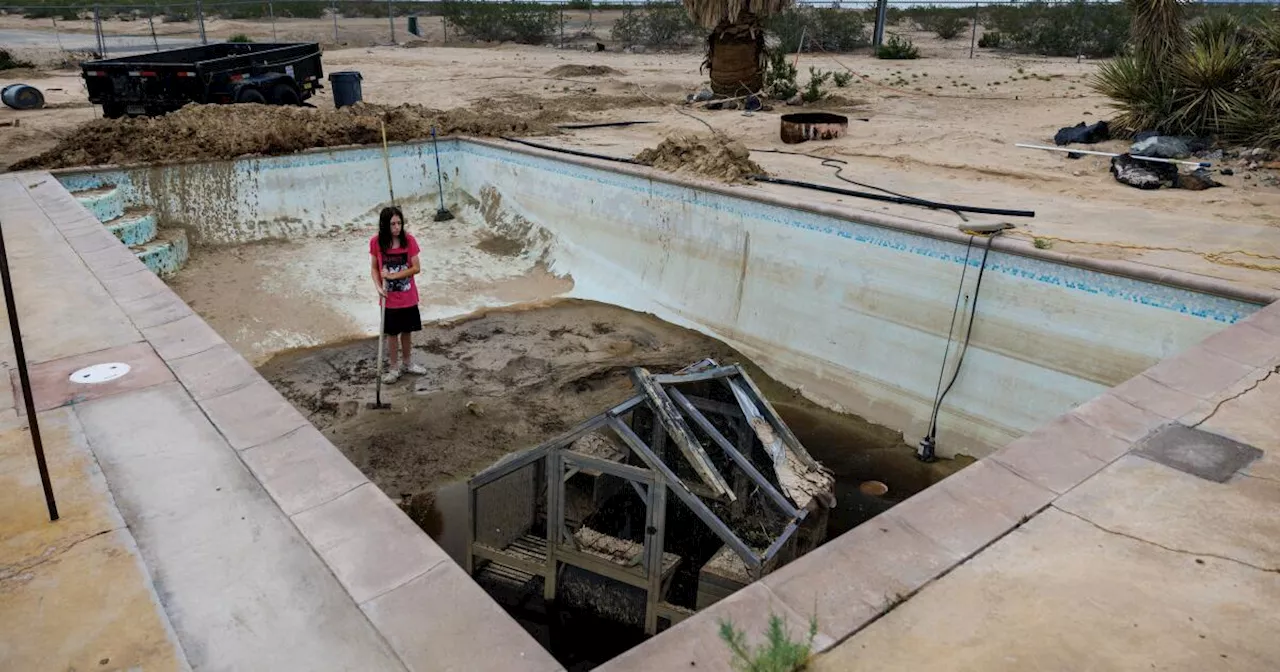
pixel 735 46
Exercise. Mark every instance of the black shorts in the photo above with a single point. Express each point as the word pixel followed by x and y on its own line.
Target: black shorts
pixel 402 321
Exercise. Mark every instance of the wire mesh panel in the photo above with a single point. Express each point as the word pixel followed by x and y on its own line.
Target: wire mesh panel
pixel 506 509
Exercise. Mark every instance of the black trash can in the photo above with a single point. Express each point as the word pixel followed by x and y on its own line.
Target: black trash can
pixel 346 88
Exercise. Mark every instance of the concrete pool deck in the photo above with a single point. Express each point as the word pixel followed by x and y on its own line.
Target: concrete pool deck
pixel 205 523
pixel 239 538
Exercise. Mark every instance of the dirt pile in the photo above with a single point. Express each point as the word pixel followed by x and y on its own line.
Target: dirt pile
pixel 228 131
pixel 708 154
pixel 575 70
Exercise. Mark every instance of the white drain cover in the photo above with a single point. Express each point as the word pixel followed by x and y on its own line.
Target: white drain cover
pixel 100 373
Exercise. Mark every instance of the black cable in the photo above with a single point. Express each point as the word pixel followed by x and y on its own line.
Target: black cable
pixel 573 152
pixel 602 124
pixel 955 311
pixel 901 200
pixel 973 315
pixel 909 200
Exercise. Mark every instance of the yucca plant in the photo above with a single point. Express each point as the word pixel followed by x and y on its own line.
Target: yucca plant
pixel 1214 77
pixel 1210 84
pixel 735 47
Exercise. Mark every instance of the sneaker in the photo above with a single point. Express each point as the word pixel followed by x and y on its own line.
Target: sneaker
pixel 416 369
pixel 391 376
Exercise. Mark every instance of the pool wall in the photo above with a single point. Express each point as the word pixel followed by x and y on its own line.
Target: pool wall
pixel 852 307
pixel 263 198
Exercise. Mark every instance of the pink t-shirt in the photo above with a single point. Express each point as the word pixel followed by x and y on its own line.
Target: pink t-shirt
pixel 401 293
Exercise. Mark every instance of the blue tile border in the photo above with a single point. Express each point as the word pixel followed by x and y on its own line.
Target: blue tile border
pixel 1190 302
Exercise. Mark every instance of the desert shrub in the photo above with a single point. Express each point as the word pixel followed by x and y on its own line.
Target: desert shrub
pixel 813 90
pixel 239 37
pixel 580 5
pixel 780 76
pixel 898 48
pixel 945 22
pixel 990 40
pixel 842 79
pixel 826 29
pixel 778 653
pixel 522 22
pixel 1214 78
pixel 1078 28
pixel 949 26
pixel 300 9
pixel 656 25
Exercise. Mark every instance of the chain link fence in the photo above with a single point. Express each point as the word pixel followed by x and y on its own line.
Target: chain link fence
pixel 948 28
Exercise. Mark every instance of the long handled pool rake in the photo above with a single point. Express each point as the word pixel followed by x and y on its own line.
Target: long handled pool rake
pixel 377 403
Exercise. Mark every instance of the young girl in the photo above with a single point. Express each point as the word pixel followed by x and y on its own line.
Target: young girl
pixel 394 263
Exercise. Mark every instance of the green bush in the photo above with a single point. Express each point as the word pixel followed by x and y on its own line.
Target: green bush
pixel 813 91
pixel 522 22
pixel 990 40
pixel 780 76
pixel 826 29
pixel 898 48
pixel 948 26
pixel 240 37
pixel 778 653
pixel 842 79
pixel 656 25
pixel 1078 28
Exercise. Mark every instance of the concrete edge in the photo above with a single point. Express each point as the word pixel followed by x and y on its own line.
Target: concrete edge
pixel 188 336
pixel 1023 248
pixel 987 500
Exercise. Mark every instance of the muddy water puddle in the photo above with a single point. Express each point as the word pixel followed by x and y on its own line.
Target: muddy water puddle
pixel 509 379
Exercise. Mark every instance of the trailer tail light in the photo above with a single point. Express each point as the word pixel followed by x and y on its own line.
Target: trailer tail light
pixel 186 74
pixel 236 78
pixel 95 73
pixel 148 73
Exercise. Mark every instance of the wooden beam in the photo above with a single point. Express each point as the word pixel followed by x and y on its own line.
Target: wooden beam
pixel 507 560
pixel 771 414
pixel 717 407
pixel 655 536
pixel 579 460
pixel 738 458
pixel 709 374
pixel 684 495
pixel 679 432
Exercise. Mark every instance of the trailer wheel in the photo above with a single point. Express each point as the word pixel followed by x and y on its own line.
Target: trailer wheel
pixel 250 96
pixel 113 110
pixel 284 94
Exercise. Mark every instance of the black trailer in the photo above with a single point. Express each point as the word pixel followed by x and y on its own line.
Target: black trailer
pixel 163 81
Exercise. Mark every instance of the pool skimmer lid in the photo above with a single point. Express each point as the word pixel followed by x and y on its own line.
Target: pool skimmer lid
pixel 100 373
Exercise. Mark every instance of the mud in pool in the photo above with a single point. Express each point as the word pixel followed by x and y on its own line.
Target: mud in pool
pixel 505 380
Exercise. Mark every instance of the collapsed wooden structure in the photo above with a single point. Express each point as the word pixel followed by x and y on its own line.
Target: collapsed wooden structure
pixel 761 494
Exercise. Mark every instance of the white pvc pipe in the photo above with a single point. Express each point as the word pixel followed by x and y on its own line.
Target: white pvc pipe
pixel 1198 164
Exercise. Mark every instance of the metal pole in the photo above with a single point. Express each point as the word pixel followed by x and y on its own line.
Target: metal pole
pixel 973 40
pixel 97 30
pixel 391 18
pixel 151 20
pixel 25 379
pixel 57 38
pixel 200 21
pixel 882 14
pixel 271 12
pixel 562 26
pixel 334 5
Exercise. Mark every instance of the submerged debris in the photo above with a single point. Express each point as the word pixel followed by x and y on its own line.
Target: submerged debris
pixel 708 154
pixel 1142 174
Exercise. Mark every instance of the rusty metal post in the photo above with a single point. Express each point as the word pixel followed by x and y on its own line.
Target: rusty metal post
pixel 16 331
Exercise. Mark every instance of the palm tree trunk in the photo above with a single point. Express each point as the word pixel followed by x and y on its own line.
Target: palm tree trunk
pixel 735 56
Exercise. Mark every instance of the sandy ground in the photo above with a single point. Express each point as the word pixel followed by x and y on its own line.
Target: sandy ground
pixel 497 382
pixel 942 127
